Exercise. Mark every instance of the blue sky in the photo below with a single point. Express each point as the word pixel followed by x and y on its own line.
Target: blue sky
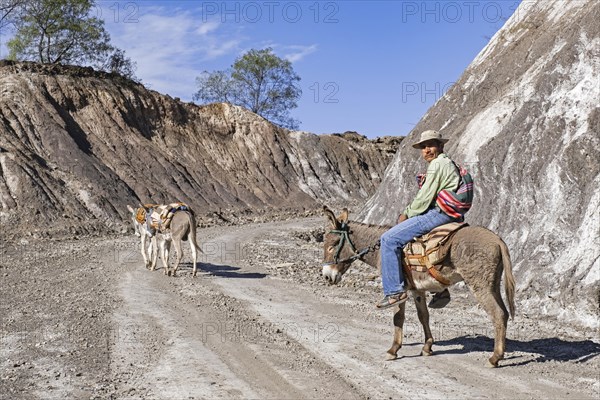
pixel 374 67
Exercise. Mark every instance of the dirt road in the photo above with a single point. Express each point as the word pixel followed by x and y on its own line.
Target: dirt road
pixel 84 319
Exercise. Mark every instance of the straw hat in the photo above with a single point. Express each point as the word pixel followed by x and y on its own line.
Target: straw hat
pixel 429 135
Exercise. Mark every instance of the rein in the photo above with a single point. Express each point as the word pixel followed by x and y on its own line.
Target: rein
pixel 344 233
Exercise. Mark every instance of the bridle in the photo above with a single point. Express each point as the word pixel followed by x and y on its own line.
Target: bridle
pixel 344 233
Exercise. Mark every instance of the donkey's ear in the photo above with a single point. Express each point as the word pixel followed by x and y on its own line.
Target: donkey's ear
pixel 131 210
pixel 343 218
pixel 331 216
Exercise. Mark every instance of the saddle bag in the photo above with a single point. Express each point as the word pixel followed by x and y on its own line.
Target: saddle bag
pixel 158 216
pixel 426 252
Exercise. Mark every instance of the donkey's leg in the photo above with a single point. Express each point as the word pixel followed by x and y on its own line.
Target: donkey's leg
pixel 144 250
pixel 423 314
pixel 163 245
pixel 194 255
pixel 500 319
pixel 179 251
pixel 167 255
pixel 392 353
pixel 153 253
pixel 490 299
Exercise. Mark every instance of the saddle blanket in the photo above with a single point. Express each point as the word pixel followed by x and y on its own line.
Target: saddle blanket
pixel 158 216
pixel 426 252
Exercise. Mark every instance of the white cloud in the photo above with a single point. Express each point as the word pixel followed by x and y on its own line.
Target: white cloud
pixel 297 53
pixel 173 46
pixel 291 53
pixel 169 47
pixel 226 47
pixel 207 27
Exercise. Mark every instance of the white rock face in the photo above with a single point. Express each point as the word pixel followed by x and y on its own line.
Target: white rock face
pixel 525 119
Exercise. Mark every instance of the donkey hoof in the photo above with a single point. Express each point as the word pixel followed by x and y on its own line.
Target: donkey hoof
pixel 493 360
pixel 391 357
pixel 426 353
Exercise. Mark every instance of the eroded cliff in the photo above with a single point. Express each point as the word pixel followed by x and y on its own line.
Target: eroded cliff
pixel 77 146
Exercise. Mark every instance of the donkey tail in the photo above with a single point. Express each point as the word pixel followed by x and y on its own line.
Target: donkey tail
pixel 192 233
pixel 509 279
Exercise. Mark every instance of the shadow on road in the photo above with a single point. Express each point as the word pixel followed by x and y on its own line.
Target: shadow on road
pixel 224 271
pixel 546 349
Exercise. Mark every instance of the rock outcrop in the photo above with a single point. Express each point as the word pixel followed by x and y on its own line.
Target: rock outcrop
pixel 77 146
pixel 525 119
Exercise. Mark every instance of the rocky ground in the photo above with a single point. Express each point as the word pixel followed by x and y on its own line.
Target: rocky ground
pixel 83 319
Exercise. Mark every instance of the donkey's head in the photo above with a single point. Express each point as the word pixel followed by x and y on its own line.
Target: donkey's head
pixel 138 229
pixel 339 251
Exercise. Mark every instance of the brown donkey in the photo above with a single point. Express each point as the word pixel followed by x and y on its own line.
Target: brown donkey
pixel 181 228
pixel 477 256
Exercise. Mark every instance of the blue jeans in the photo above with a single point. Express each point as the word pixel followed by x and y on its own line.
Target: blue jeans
pixel 392 242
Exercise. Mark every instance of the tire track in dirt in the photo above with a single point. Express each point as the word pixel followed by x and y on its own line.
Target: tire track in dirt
pixel 181 338
pixel 327 326
pixel 157 337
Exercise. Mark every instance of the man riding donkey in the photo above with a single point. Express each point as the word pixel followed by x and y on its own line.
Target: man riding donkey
pixel 434 205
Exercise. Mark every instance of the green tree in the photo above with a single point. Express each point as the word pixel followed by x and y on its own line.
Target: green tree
pixel 63 31
pixel 118 63
pixel 259 81
pixel 59 31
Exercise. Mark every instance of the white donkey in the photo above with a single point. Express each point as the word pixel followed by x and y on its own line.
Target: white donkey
pixel 181 226
pixel 148 244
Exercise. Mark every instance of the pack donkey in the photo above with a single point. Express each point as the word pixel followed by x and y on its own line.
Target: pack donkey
pixel 477 256
pixel 157 231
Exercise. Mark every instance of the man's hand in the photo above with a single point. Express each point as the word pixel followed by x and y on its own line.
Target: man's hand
pixel 401 218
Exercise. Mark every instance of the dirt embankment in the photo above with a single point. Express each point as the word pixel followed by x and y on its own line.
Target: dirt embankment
pixel 77 146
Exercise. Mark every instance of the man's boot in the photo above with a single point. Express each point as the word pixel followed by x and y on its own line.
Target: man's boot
pixel 440 299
